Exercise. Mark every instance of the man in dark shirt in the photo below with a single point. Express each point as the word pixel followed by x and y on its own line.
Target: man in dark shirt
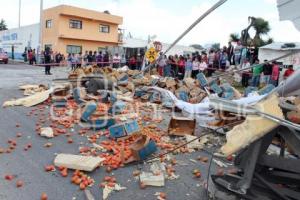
pixel 267 69
pixel 90 58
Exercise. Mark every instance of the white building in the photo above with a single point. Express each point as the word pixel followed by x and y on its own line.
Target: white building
pixel 277 49
pixel 14 41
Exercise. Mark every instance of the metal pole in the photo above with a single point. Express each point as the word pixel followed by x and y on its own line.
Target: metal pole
pixel 41 30
pixel 19 13
pixel 41 23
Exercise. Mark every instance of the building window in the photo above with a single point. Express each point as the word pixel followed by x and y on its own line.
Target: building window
pixel 104 28
pixel 74 49
pixel 48 23
pixel 48 46
pixel 103 49
pixel 75 24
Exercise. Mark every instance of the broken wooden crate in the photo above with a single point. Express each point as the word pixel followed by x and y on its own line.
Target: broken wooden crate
pixel 181 126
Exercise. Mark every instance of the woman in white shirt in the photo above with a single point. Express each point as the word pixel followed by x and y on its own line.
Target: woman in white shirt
pixel 202 66
pixel 195 69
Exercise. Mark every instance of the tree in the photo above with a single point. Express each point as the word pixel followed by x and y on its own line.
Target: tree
pixel 234 37
pixel 197 46
pixel 3 25
pixel 261 27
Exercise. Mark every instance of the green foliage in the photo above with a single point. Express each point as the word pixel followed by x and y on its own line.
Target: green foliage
pixel 234 37
pixel 3 25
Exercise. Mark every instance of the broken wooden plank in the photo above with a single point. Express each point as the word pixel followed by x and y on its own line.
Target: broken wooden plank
pixel 84 163
pixel 29 101
pixel 254 127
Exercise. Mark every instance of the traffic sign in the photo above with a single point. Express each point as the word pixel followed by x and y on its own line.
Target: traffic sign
pixel 151 55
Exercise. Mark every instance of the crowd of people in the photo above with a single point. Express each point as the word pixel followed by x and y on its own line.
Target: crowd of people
pixel 184 66
pixel 177 66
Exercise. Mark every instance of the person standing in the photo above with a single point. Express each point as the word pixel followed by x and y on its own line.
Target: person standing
pixel 168 66
pixel 99 59
pixel 73 61
pixel 69 60
pixel 245 74
pixel 85 58
pixel 237 53
pixel 47 56
pixel 230 52
pixel 275 74
pixel 223 60
pixel 195 69
pixel 30 57
pixel 90 58
pixel 257 70
pixel 288 72
pixel 188 67
pixel 162 62
pixel 202 66
pixel 116 61
pixel 267 69
pixel 106 59
pixel 181 65
pixel 94 57
pixel 79 60
pixel 123 60
pixel 132 63
pixel 33 57
pixel 211 57
pixel 42 58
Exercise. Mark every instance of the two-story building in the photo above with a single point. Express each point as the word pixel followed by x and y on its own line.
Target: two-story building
pixel 65 29
pixel 69 29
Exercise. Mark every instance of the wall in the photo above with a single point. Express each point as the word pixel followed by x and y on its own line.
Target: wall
pixel 60 34
pixel 269 54
pixel 26 36
pixel 90 30
pixel 86 45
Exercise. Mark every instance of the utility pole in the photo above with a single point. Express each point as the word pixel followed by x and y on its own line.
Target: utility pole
pixel 19 13
pixel 41 28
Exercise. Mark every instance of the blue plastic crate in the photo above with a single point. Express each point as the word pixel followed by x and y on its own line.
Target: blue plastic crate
pixel 131 127
pixel 202 79
pixel 217 89
pixel 183 96
pixel 117 131
pixel 117 108
pixel 99 124
pixel 149 149
pixel 113 97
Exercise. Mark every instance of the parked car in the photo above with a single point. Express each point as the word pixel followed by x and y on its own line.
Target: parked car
pixel 3 56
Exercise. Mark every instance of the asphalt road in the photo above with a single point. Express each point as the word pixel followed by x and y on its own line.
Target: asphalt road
pixel 28 166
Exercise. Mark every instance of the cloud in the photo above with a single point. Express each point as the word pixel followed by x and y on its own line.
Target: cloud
pixel 271 1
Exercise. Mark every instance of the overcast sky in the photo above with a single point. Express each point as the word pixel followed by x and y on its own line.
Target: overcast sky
pixel 169 18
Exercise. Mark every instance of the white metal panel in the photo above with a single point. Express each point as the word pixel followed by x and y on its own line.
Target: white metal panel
pixel 289 10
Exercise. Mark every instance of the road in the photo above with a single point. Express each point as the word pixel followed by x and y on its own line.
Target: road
pixel 29 165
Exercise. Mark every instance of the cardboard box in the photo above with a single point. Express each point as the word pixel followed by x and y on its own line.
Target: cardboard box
pixel 181 126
